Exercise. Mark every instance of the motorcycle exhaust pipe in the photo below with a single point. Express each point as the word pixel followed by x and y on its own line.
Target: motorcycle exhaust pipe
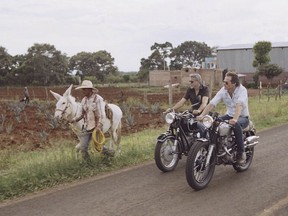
pixel 251 141
pixel 251 144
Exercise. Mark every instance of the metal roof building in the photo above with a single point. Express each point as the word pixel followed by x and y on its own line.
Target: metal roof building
pixel 240 57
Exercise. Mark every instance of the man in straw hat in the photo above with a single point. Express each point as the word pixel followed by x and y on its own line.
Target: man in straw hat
pixel 90 113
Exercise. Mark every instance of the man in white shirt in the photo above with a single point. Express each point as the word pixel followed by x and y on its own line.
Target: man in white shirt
pixel 235 97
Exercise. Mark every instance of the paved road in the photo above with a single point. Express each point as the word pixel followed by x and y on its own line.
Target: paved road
pixel 144 190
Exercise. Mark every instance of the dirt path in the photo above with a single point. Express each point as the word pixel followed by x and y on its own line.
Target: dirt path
pixel 144 190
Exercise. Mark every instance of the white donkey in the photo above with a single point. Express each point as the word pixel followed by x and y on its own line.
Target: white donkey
pixel 67 108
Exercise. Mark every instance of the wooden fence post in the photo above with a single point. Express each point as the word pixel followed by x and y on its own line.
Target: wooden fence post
pixel 145 97
pixel 170 94
pixel 260 90
pixel 46 91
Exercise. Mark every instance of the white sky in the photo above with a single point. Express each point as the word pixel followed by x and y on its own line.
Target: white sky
pixel 128 28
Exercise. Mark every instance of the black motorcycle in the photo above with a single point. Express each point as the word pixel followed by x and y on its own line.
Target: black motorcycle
pixel 219 148
pixel 176 141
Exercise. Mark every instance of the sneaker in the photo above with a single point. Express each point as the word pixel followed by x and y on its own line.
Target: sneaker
pixel 241 158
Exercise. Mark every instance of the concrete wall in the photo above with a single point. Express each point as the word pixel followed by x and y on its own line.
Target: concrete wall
pixel 212 78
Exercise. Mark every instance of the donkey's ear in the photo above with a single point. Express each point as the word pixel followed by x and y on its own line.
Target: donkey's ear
pixel 56 95
pixel 68 91
pixel 70 99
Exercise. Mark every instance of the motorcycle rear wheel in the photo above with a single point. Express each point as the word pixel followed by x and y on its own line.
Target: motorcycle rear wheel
pixel 246 165
pixel 197 176
pixel 166 155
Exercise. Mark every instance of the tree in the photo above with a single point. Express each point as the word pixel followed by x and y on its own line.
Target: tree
pixel 156 61
pixel 5 64
pixel 145 67
pixel 99 64
pixel 16 76
pixel 43 65
pixel 189 53
pixel 163 51
pixel 82 63
pixel 105 63
pixel 153 62
pixel 270 71
pixel 261 50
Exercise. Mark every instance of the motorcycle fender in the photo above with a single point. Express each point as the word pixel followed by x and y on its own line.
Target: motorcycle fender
pixel 164 136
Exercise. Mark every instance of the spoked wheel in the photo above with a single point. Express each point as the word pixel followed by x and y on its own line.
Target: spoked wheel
pixel 197 175
pixel 166 155
pixel 249 157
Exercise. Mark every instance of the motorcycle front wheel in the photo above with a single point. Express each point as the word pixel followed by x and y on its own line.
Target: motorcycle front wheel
pixel 166 155
pixel 197 175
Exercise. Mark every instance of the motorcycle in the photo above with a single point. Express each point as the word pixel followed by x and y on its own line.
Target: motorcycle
pixel 176 141
pixel 218 147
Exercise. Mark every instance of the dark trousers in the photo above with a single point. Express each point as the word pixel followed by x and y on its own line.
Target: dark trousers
pixel 201 129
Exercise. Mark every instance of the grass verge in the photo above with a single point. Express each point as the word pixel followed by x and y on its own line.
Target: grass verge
pixel 26 172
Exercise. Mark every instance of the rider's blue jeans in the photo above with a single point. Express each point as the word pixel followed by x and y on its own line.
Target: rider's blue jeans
pixel 201 129
pixel 241 123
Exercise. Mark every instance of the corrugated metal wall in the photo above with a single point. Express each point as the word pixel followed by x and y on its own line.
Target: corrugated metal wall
pixel 279 56
pixel 241 60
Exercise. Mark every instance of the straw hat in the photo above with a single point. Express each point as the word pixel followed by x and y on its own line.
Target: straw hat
pixel 98 139
pixel 86 84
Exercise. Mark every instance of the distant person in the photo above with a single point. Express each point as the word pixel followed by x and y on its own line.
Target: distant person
pixel 26 98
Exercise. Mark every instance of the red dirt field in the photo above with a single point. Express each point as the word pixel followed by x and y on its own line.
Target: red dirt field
pixel 30 129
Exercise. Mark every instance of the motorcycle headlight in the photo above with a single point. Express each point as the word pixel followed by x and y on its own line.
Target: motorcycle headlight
pixel 207 121
pixel 169 118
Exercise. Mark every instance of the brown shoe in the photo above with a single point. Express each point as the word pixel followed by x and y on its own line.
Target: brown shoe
pixel 241 158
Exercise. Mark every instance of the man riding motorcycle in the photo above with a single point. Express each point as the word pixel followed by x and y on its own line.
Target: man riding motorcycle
pixel 235 97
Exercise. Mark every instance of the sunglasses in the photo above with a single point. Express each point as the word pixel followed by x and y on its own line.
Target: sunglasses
pixel 225 82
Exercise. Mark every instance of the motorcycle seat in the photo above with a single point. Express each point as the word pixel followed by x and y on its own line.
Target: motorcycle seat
pixel 249 127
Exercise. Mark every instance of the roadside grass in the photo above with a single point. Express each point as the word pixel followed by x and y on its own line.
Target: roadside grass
pixel 266 114
pixel 26 172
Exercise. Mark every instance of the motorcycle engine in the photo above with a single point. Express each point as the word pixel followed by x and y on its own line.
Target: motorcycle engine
pixel 189 125
pixel 225 129
pixel 226 150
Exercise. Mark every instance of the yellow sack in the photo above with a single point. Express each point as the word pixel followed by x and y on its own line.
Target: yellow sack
pixel 98 139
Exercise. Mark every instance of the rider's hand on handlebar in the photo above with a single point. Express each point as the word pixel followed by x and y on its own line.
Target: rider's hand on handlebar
pixel 232 121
